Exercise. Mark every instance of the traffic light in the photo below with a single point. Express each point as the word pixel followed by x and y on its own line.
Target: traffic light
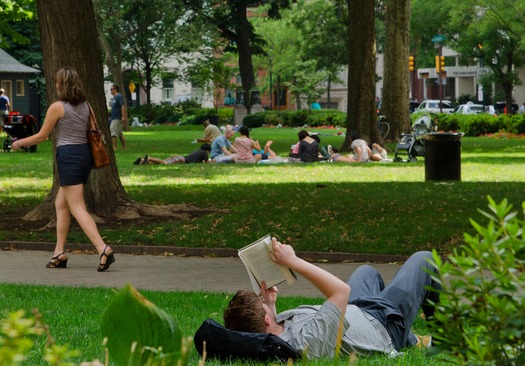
pixel 410 63
pixel 440 63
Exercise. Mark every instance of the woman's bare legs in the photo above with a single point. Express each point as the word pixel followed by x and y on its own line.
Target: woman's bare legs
pixel 74 197
pixel 63 219
pixel 345 159
pixel 155 161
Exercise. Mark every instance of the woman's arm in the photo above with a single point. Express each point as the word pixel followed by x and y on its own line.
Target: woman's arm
pixel 54 113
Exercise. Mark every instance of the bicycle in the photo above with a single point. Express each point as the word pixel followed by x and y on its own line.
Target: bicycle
pixel 383 126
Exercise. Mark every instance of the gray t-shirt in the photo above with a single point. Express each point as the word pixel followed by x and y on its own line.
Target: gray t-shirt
pixel 364 148
pixel 72 128
pixel 315 329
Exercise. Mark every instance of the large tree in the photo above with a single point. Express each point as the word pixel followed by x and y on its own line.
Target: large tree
pixel 11 13
pixel 396 85
pixel 111 16
pixel 490 32
pixel 361 112
pixel 323 25
pixel 69 38
pixel 165 39
pixel 230 19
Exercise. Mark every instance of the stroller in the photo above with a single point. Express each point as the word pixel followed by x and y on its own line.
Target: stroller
pixel 19 127
pixel 413 144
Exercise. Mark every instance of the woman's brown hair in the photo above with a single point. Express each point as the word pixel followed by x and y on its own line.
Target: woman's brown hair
pixel 69 86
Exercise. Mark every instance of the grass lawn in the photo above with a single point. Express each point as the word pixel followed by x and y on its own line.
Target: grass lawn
pixel 360 208
pixel 74 315
pixel 365 208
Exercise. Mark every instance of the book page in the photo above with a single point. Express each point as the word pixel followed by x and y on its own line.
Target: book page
pixel 260 267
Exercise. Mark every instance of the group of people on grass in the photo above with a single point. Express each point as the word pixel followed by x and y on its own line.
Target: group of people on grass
pixel 248 151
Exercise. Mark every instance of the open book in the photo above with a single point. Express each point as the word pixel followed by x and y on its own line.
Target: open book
pixel 260 267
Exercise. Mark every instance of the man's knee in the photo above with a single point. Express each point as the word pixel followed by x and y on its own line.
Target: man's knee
pixel 364 271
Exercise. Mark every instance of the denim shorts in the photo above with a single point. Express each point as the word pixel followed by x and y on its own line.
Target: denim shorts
pixel 74 164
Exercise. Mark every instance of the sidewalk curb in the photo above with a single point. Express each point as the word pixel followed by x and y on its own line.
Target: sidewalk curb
pixel 329 257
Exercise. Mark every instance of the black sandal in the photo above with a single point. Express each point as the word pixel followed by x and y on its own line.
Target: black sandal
pixel 56 262
pixel 110 258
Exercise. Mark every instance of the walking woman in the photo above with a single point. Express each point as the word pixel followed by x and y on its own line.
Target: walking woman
pixel 69 117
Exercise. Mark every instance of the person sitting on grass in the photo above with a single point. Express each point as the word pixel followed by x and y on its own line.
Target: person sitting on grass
pixel 222 150
pixel 198 156
pixel 374 318
pixel 211 132
pixel 244 146
pixel 307 150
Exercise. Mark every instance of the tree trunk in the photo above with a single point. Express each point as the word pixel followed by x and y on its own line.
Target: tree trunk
pixel 328 87
pixel 245 54
pixel 361 115
pixel 69 38
pixel 396 86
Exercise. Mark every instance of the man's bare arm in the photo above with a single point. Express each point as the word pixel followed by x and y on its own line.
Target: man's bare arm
pixel 332 287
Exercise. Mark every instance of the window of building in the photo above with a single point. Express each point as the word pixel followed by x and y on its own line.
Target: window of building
pixel 167 89
pixel 20 88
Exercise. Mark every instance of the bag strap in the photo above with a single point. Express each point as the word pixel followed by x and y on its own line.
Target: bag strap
pixel 92 121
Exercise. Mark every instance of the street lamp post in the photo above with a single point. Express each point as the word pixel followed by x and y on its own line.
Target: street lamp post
pixel 437 40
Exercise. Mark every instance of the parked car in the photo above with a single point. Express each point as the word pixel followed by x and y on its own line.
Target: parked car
pixel 500 107
pixel 432 105
pixel 469 108
pixel 413 105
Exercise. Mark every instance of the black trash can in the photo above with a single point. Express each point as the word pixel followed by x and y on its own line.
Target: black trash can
pixel 443 156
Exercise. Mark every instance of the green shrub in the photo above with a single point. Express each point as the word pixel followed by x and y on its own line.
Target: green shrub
pixel 296 118
pixel 255 120
pixel 479 124
pixel 481 314
pixel 513 123
pixel 326 117
pixel 225 116
pixel 17 339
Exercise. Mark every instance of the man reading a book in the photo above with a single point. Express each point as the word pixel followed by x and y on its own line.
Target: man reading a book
pixel 372 317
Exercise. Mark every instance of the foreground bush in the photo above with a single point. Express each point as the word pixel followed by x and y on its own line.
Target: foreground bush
pixel 481 315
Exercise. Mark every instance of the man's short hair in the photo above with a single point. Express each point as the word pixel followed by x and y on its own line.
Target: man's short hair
pixel 206 122
pixel 206 147
pixel 245 313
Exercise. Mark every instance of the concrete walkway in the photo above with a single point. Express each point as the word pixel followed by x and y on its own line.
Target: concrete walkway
pixel 155 272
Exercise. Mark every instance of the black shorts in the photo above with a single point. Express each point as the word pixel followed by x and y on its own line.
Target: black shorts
pixel 74 164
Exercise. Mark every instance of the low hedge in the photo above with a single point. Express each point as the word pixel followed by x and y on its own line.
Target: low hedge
pixel 479 124
pixel 187 112
pixel 316 118
pixel 190 113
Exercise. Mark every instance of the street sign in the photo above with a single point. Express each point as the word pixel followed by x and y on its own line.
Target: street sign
pixel 131 87
pixel 481 71
pixel 438 38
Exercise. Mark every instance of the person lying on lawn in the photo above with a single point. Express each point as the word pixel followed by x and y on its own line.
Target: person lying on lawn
pixel 198 156
pixel 374 318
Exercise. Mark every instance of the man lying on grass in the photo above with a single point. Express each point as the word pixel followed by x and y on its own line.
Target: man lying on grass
pixel 376 318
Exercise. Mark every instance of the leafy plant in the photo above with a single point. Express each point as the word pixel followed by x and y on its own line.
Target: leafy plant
pixel 17 334
pixel 139 333
pixel 481 314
